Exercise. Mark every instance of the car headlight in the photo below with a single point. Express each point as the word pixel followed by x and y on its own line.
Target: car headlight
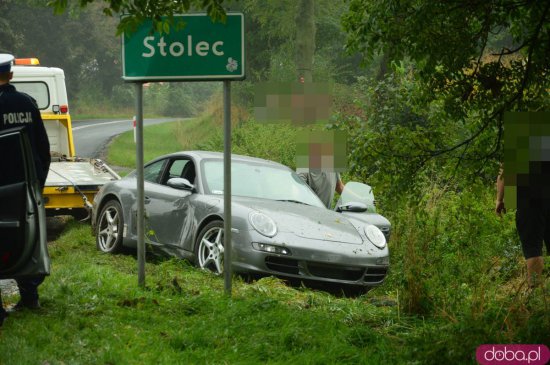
pixel 263 224
pixel 375 235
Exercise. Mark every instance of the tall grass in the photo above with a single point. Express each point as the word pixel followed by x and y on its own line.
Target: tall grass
pixel 272 141
pixel 453 259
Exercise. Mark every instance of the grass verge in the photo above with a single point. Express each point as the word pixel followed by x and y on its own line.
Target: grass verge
pixel 160 139
pixel 93 312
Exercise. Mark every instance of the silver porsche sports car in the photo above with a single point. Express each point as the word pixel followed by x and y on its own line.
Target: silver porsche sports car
pixel 279 226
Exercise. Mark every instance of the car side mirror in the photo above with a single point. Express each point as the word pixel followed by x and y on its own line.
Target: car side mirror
pixel 354 207
pixel 180 184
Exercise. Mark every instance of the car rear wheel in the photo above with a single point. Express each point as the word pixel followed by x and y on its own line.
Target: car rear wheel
pixel 209 247
pixel 109 228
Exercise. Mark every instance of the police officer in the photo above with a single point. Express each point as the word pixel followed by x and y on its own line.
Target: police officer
pixel 20 110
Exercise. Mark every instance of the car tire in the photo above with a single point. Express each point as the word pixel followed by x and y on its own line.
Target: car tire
pixel 110 228
pixel 209 247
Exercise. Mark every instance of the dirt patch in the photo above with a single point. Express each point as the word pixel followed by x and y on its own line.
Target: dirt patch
pixel 56 225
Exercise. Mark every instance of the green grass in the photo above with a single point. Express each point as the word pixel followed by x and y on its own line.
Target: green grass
pixel 93 312
pixel 160 139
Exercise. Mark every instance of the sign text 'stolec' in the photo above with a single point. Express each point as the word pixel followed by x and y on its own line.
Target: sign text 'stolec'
pixel 177 49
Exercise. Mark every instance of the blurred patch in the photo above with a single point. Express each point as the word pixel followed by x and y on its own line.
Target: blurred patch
pixel 526 155
pixel 301 103
pixel 321 151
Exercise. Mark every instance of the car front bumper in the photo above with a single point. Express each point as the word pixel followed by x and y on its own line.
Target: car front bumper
pixel 317 260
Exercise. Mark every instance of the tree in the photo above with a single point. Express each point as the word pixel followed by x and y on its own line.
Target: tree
pixel 477 59
pixel 268 38
pixel 80 43
pixel 139 10
pixel 274 39
pixel 305 39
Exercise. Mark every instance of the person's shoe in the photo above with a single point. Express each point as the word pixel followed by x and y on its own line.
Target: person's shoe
pixel 27 304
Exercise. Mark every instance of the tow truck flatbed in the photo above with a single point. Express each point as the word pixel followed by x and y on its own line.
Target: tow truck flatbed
pixel 71 184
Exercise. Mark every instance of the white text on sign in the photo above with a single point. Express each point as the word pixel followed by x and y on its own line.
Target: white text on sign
pixel 177 49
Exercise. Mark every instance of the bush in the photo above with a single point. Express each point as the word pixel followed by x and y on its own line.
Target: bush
pixel 452 259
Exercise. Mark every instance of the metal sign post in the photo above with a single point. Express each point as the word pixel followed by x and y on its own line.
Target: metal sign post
pixel 140 194
pixel 227 187
pixel 201 51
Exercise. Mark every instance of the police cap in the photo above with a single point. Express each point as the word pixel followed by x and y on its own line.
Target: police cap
pixel 6 61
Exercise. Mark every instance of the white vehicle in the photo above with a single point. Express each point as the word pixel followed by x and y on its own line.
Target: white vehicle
pixel 72 181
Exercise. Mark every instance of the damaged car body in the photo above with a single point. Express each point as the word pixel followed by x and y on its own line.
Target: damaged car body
pixel 279 226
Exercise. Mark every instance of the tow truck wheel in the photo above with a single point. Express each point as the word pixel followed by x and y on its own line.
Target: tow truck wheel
pixel 110 228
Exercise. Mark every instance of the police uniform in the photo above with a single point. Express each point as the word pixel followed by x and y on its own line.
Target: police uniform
pixel 20 110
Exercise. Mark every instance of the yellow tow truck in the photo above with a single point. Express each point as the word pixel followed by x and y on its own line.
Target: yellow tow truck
pixel 72 181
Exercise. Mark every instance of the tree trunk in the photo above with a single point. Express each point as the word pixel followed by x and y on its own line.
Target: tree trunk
pixel 305 40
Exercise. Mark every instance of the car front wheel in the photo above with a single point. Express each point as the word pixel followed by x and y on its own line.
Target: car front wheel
pixel 209 247
pixel 109 228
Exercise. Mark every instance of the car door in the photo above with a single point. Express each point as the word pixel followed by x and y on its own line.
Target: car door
pixel 23 244
pixel 168 209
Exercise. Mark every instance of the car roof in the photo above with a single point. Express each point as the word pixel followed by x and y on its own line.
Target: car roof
pixel 205 155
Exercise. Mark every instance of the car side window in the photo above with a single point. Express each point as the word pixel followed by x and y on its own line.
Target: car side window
pixel 177 168
pixel 153 172
pixel 181 168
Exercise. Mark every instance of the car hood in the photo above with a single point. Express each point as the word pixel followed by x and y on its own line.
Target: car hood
pixel 305 220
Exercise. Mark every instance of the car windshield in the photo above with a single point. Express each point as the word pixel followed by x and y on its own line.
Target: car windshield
pixel 257 180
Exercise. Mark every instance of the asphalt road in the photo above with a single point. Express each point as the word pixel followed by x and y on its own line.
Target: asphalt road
pixel 91 136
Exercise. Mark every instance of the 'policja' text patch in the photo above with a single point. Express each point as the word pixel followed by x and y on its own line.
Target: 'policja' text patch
pixel 17 118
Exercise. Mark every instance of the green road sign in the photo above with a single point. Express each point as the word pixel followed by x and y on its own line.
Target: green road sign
pixel 202 50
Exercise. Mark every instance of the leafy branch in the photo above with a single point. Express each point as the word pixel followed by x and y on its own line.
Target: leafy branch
pixel 161 12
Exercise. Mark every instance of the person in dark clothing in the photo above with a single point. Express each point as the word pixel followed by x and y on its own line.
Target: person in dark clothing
pixel 20 110
pixel 532 215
